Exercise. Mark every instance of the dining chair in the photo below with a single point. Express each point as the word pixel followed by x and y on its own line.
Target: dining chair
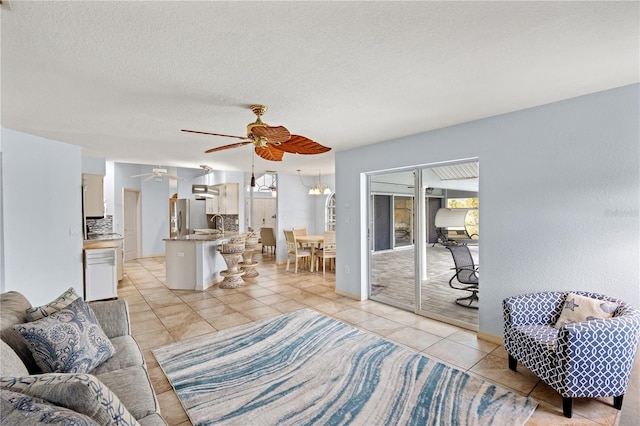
pixel 268 239
pixel 294 250
pixel 301 232
pixel 328 250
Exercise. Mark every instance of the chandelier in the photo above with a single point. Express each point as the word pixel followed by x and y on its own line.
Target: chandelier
pixel 317 189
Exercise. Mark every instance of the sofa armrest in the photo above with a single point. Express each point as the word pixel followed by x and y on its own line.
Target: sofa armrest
pixel 598 351
pixel 113 316
pixel 533 309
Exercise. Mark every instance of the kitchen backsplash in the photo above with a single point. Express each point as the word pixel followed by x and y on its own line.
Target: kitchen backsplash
pixel 230 222
pixel 100 226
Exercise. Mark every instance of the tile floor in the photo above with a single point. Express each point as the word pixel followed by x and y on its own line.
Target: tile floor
pixel 160 316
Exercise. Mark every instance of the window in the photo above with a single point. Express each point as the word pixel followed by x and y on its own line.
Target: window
pixel 330 213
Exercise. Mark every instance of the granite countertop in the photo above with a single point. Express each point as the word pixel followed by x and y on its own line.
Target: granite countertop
pixel 219 238
pixel 103 237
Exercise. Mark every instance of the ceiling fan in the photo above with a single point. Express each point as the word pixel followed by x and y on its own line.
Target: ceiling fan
pixel 158 173
pixel 270 142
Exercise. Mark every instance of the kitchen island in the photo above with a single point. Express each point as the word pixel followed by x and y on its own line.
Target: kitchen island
pixel 193 262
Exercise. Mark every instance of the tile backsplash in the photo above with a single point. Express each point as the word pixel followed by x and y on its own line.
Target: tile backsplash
pixel 230 222
pixel 100 226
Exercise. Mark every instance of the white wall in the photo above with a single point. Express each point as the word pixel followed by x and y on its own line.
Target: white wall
pixel 42 216
pixel 560 198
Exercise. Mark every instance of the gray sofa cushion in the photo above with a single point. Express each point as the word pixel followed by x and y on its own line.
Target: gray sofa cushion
pixel 83 393
pixel 14 307
pixel 19 409
pixel 113 316
pixel 128 354
pixel 132 386
pixel 10 362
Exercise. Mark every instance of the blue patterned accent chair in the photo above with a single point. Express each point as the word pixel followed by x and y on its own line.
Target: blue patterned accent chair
pixel 587 359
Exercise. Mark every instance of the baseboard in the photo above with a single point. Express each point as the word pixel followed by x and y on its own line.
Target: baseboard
pixel 350 295
pixel 489 337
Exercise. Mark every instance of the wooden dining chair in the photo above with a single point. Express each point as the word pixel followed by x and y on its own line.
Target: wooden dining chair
pixel 328 250
pixel 301 232
pixel 294 250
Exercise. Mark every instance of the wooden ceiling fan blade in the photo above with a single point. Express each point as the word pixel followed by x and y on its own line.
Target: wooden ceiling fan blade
pixel 144 174
pixel 273 134
pixel 270 153
pixel 213 134
pixel 223 147
pixel 302 145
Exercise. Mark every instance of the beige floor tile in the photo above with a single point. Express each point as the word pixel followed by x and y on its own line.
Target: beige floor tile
pixel 256 314
pixel 469 338
pixel 204 303
pixel 599 410
pixel 180 319
pixel 496 370
pixel 171 409
pixel 154 339
pixel 228 321
pixel 354 316
pixel 381 326
pixel 272 299
pixel 159 380
pixel 435 327
pixel 234 298
pixel 170 310
pixel 331 307
pixel 141 327
pixel 460 355
pixel 215 312
pixel 413 338
pixel 246 305
pixel 140 316
pixel 546 415
pixel 191 329
pixel 288 306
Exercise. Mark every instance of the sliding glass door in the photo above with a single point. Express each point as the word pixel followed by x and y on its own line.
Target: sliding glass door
pixel 409 265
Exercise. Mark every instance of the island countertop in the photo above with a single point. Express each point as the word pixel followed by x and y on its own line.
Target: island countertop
pixel 215 238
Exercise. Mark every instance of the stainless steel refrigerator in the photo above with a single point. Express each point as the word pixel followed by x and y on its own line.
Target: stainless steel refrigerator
pixel 178 217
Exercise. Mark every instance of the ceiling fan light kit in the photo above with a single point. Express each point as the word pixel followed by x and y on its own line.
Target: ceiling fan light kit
pixel 270 142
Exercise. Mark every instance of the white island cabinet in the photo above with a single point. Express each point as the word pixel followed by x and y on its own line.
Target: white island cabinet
pixel 193 262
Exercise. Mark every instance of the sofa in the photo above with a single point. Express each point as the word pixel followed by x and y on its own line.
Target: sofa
pixel 118 391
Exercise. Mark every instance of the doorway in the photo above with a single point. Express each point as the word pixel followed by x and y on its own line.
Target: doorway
pixel 408 265
pixel 131 224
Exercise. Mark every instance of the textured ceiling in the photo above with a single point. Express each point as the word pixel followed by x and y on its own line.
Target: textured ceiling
pixel 122 78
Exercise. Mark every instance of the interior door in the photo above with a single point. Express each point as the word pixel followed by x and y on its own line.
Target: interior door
pixel 131 222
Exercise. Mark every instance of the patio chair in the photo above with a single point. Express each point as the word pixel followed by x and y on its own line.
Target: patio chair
pixel 268 239
pixel 294 250
pixel 466 274
pixel 587 358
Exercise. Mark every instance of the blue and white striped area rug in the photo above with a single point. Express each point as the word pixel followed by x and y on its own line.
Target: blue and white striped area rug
pixel 304 368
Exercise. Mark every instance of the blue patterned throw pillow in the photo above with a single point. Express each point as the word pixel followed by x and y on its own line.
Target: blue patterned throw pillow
pixel 59 303
pixel 67 341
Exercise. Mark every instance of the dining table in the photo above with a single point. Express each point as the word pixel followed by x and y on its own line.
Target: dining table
pixel 315 241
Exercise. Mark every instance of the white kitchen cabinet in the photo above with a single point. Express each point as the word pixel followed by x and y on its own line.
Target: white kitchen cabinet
pixel 230 198
pixel 100 274
pixel 93 186
pixel 226 202
pixel 212 205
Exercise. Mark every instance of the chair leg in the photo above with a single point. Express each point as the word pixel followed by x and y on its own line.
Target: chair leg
pixel 617 402
pixel 288 260
pixel 566 407
pixel 513 364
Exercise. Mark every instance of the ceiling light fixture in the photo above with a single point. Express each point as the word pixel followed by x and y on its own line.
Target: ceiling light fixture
pixel 318 189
